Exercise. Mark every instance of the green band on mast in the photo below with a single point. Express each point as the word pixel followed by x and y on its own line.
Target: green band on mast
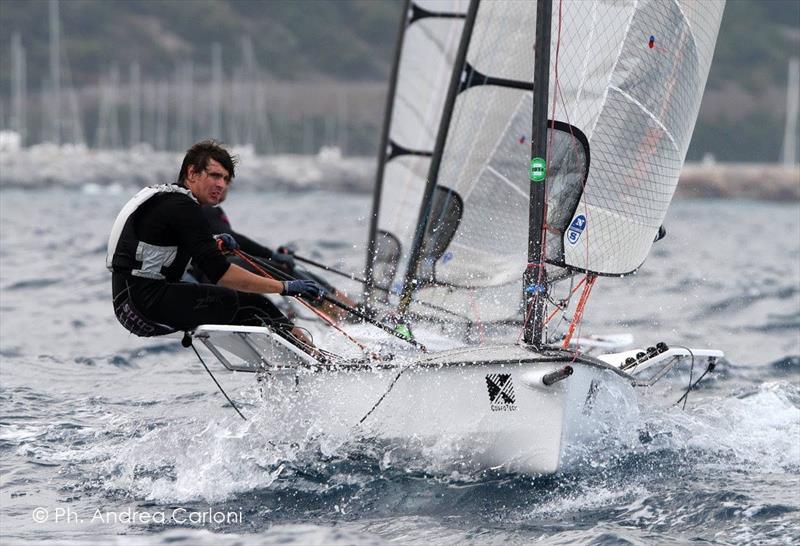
pixel 538 169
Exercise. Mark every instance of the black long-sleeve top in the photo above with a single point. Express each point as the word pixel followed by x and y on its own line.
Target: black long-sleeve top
pixel 219 223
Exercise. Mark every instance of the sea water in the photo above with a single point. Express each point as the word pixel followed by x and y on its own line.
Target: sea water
pixel 108 438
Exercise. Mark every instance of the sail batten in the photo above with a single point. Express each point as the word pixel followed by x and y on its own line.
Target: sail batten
pixel 649 114
pixel 503 178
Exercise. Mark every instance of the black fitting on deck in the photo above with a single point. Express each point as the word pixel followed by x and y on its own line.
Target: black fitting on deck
pixel 558 375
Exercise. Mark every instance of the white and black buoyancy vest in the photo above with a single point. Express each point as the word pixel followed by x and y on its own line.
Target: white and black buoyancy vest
pixel 126 252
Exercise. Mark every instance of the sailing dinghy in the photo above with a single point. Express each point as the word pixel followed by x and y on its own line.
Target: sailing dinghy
pixel 563 132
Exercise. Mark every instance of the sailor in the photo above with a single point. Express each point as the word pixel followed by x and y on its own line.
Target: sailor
pixel 161 230
pixel 282 259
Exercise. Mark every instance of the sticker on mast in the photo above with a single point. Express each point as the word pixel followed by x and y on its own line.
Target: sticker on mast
pixel 538 169
pixel 576 229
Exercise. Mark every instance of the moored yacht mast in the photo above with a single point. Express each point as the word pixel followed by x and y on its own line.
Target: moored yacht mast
pixel 535 277
pixel 55 74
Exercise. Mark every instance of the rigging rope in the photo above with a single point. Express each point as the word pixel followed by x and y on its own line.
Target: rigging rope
pixel 476 310
pixel 710 368
pixel 711 364
pixel 566 300
pixel 188 339
pixel 313 309
pixel 579 309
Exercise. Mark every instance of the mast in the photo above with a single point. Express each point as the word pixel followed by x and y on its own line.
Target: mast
pixel 55 73
pixel 343 121
pixel 382 153
pixel 216 91
pixel 162 117
pixel 19 90
pixel 789 154
pixel 113 105
pixel 433 173
pixel 135 101
pixel 249 77
pixel 535 277
pixel 183 91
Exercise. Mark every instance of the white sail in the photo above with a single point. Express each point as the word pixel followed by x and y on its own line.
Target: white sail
pixel 638 105
pixel 483 166
pixel 431 37
pixel 622 109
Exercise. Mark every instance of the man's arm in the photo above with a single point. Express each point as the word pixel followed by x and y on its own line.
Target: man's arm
pixel 239 278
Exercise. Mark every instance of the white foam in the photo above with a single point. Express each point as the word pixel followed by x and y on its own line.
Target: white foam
pixel 754 429
pixel 211 463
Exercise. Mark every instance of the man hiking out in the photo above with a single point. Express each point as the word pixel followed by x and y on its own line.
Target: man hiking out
pixel 160 230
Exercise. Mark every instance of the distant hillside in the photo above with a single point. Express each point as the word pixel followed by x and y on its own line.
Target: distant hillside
pixel 351 41
pixel 743 112
pixel 292 39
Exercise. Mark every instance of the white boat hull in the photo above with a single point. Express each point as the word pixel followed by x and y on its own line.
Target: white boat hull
pixel 489 404
pixel 489 401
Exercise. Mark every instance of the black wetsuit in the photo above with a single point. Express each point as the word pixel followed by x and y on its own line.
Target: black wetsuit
pixel 161 237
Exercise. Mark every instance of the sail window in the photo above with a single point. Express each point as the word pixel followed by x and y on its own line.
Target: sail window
pixel 447 208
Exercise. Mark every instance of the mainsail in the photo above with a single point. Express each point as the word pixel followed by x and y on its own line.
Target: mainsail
pixel 625 84
pixel 429 35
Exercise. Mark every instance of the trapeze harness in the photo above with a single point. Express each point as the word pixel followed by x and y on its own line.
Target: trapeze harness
pixel 127 314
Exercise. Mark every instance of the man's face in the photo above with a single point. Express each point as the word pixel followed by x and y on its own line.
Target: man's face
pixel 208 185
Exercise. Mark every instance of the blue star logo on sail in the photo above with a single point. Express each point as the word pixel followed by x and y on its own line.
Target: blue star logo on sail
pixel 575 229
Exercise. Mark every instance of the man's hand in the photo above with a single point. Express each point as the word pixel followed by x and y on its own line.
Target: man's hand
pixel 305 289
pixel 284 262
pixel 226 241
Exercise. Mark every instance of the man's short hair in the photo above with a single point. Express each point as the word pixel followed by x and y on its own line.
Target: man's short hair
pixel 198 155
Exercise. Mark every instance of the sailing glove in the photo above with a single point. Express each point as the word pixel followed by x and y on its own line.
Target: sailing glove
pixel 283 261
pixel 226 241
pixel 305 289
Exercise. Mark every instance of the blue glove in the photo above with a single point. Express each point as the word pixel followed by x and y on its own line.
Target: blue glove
pixel 283 261
pixel 226 241
pixel 306 289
